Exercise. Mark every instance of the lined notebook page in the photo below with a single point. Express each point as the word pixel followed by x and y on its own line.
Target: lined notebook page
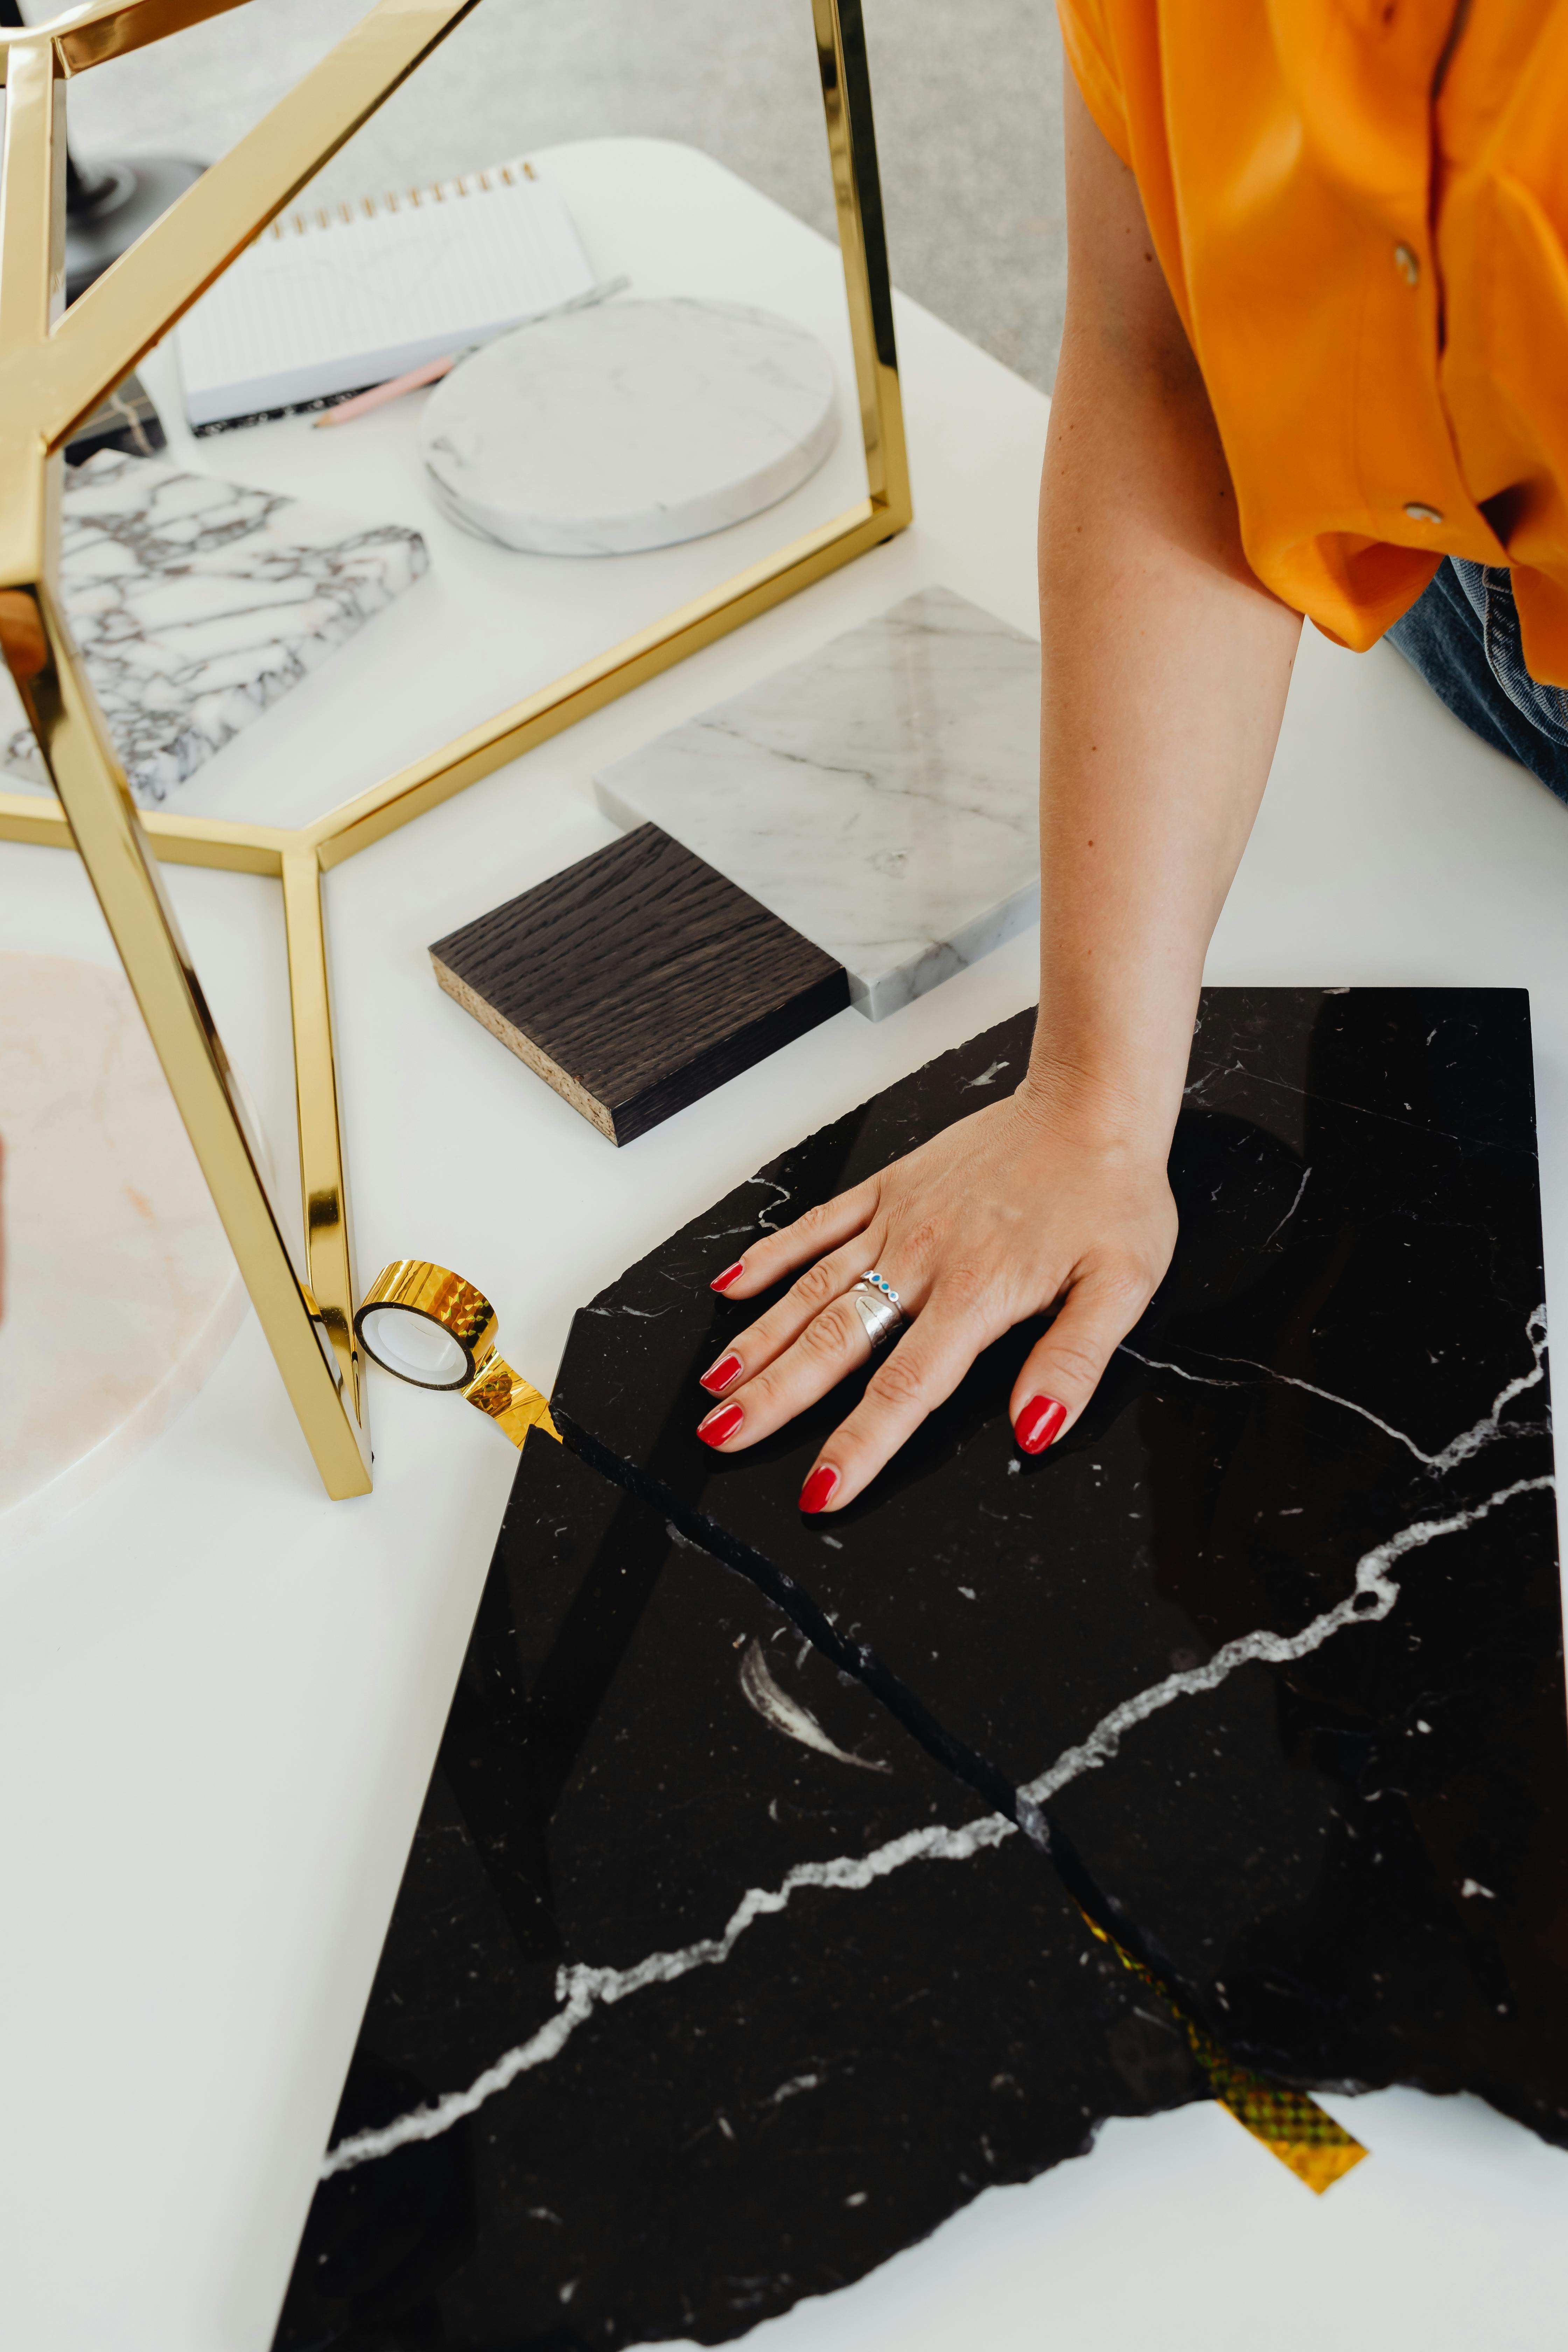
pixel 310 310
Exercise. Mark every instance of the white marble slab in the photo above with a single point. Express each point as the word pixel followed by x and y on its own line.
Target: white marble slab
pixel 639 425
pixel 196 603
pixel 120 1292
pixel 879 797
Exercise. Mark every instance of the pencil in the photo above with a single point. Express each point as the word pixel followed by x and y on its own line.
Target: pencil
pixel 363 402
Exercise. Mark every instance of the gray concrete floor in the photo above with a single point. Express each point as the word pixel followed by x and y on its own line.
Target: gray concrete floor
pixel 967 95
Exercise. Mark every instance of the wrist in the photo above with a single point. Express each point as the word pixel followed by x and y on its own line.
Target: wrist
pixel 1110 1114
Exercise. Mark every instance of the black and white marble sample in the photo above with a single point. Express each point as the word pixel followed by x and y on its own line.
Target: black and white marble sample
pixel 706 1987
pixel 879 797
pixel 196 603
pixel 639 425
pixel 1269 1646
pixel 125 419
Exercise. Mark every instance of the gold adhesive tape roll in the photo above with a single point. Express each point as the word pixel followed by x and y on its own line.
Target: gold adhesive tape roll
pixel 427 1326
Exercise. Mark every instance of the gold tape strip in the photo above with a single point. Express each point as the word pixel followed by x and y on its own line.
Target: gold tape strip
pixel 1291 2124
pixel 512 1404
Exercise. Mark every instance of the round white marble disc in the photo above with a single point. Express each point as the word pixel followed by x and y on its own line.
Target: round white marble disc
pixel 121 1291
pixel 631 425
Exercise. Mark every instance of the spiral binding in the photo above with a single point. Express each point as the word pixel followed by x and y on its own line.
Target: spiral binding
pixel 511 174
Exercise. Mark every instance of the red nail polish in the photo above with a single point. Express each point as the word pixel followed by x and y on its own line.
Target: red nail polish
pixel 730 1273
pixel 722 1375
pixel 818 1487
pixel 722 1422
pixel 1038 1422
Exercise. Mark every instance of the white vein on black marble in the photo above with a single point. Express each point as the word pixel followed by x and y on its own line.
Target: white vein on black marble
pixel 1290 1211
pixel 1373 1596
pixel 197 603
pixel 765 1216
pixel 1240 1069
pixel 786 1714
pixel 1484 1432
pixel 581 1989
pixel 762 1222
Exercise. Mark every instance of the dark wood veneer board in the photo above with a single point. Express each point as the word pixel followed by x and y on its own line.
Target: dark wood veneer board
pixel 638 981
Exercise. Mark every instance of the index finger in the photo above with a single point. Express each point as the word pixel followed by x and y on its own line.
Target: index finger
pixel 821 1229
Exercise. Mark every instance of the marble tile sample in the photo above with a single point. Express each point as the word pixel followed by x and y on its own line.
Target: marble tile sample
pixel 637 980
pixel 705 1990
pixel 124 419
pixel 636 425
pixel 1270 1645
pixel 122 1292
pixel 879 797
pixel 197 603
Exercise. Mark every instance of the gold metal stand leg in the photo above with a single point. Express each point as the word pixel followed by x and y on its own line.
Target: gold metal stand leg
pixel 323 1189
pixel 124 874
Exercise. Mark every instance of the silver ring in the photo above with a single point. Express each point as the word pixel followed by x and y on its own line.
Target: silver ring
pixel 879 1317
pixel 875 1281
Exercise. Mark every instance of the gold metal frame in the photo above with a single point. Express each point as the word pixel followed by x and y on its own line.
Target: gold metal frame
pixel 55 369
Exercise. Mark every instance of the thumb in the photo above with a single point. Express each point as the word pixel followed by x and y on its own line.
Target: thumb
pixel 1062 1371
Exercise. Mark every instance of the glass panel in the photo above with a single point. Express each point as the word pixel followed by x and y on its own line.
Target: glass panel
pixel 371 628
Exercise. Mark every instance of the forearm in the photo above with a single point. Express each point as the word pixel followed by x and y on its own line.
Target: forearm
pixel 1165 671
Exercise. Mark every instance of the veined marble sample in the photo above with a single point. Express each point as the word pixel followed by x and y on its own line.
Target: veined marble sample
pixel 638 425
pixel 1270 1645
pixel 196 603
pixel 706 1989
pixel 879 797
pixel 121 1290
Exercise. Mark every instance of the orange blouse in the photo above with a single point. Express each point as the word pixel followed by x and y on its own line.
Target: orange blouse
pixel 1366 245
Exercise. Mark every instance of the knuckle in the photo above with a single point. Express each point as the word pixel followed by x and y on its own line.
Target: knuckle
pixel 817 1286
pixel 760 1339
pixel 1126 1285
pixel 964 1284
pixel 1082 1365
pixel 922 1242
pixel 768 1391
pixel 896 1381
pixel 827 1338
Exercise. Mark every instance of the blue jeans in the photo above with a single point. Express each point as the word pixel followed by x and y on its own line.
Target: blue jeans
pixel 1462 634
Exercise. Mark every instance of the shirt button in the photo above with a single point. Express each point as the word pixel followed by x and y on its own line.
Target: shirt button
pixel 1420 513
pixel 1408 266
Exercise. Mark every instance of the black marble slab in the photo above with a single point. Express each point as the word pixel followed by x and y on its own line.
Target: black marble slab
pixel 707 1988
pixel 1273 1637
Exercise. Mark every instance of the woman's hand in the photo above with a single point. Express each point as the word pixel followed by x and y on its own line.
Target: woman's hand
pixel 999 1218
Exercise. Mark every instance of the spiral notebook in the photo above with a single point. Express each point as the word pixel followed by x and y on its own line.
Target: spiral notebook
pixel 327 302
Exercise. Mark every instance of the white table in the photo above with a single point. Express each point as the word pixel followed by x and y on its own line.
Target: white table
pixel 220 1695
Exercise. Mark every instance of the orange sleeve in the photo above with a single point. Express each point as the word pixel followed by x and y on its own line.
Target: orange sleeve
pixel 1091 55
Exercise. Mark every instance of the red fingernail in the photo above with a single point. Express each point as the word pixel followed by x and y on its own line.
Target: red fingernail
pixel 721 1423
pixel 818 1486
pixel 1039 1424
pixel 730 1273
pixel 722 1375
